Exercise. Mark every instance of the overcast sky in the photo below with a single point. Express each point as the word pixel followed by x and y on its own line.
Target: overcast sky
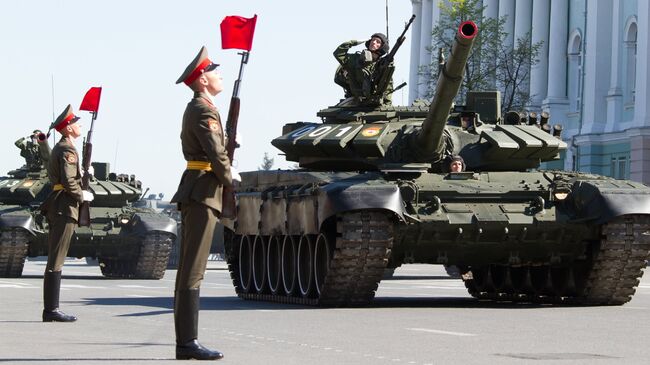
pixel 53 51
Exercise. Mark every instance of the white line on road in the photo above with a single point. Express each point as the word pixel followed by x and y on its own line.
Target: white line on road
pixel 441 332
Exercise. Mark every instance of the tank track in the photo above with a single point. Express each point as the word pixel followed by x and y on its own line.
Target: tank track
pixel 13 251
pixel 608 277
pixel 151 263
pixel 363 246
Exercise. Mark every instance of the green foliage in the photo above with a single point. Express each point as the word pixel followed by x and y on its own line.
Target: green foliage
pixel 491 63
pixel 267 162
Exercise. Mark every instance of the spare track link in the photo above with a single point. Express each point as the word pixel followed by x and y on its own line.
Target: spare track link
pixel 13 251
pixel 363 245
pixel 610 277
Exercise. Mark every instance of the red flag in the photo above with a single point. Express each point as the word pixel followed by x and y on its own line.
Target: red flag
pixel 237 32
pixel 91 100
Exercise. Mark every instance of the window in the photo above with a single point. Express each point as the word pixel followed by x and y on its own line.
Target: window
pixel 575 71
pixel 630 45
pixel 619 167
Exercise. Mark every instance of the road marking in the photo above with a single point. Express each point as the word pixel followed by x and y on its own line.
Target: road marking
pixel 18 286
pixel 441 332
pixel 70 286
pixel 141 287
pixel 140 296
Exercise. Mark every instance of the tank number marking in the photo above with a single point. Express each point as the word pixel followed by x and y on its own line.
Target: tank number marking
pixel 9 183
pixel 343 131
pixel 302 131
pixel 320 131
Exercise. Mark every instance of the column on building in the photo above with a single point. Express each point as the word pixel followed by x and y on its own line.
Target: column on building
pixel 598 43
pixel 426 25
pixel 523 24
pixel 557 102
pixel 507 9
pixel 640 144
pixel 491 10
pixel 416 30
pixel 615 93
pixel 539 72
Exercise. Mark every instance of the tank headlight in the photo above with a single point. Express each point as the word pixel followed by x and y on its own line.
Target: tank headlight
pixel 560 195
pixel 124 220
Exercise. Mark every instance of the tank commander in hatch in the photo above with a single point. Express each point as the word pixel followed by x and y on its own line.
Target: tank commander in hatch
pixel 199 198
pixel 355 73
pixel 62 210
pixel 456 164
pixel 30 151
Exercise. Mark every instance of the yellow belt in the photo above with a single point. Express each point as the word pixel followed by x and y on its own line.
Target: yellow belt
pixel 199 165
pixel 57 187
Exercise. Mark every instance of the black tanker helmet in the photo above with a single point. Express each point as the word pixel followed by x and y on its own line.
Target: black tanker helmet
pixel 384 43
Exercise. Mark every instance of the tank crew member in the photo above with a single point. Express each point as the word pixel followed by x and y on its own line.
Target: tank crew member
pixel 30 151
pixel 355 72
pixel 199 199
pixel 62 210
pixel 456 164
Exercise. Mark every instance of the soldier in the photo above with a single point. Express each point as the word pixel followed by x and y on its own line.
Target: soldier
pixel 356 70
pixel 456 164
pixel 199 199
pixel 30 151
pixel 62 210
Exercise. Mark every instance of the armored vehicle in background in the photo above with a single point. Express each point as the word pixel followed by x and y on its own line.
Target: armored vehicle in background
pixel 374 191
pixel 129 242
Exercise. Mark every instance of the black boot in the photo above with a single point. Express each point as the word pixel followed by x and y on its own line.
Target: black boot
pixel 186 321
pixel 51 289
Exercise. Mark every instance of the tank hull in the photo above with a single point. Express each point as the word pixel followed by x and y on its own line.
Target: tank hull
pixel 513 235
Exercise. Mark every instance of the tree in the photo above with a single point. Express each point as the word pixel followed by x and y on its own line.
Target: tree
pixel 491 61
pixel 267 162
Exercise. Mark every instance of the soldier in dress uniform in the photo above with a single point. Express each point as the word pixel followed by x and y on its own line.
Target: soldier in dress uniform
pixel 199 199
pixel 62 210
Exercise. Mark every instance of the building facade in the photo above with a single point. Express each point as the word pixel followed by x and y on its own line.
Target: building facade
pixel 592 76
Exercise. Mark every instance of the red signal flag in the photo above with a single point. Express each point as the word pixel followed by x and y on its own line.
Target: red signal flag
pixel 237 32
pixel 91 100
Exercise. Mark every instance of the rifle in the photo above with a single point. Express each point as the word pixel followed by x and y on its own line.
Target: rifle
pixel 383 73
pixel 87 151
pixel 228 199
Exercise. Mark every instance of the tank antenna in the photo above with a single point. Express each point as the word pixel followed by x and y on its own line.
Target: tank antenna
pixel 387 37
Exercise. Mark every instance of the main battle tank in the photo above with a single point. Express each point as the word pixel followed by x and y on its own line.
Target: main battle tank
pixel 129 242
pixel 374 191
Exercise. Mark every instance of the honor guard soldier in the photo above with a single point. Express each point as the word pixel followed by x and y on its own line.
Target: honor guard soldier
pixel 62 210
pixel 199 199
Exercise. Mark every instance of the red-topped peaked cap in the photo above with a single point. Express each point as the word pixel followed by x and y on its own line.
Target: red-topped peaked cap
pixel 200 64
pixel 64 119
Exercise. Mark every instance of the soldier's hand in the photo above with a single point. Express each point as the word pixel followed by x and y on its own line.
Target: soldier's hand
pixel 87 196
pixel 356 42
pixel 91 170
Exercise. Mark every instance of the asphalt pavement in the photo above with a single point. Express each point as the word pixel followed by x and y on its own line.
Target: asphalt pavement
pixel 421 316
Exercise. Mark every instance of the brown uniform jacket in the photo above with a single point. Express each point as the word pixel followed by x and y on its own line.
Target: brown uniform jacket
pixel 202 140
pixel 63 168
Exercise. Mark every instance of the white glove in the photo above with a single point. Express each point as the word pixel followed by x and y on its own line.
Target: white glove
pixel 235 174
pixel 87 195
pixel 91 170
pixel 238 138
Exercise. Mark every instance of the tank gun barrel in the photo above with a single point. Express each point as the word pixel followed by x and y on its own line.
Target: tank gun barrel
pixel 44 148
pixel 429 140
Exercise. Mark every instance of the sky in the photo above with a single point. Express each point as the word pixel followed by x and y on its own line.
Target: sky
pixel 53 51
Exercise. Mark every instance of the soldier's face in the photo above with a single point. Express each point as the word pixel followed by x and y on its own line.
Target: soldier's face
pixel 456 166
pixel 74 130
pixel 375 44
pixel 215 82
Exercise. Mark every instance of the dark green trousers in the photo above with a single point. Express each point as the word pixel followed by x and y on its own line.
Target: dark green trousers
pixel 198 223
pixel 58 240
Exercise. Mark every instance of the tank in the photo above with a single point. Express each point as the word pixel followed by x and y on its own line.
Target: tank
pixel 128 242
pixel 373 191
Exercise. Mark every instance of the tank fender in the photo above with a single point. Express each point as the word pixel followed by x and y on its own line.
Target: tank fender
pixel 16 216
pixel 340 197
pixel 604 202
pixel 141 223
